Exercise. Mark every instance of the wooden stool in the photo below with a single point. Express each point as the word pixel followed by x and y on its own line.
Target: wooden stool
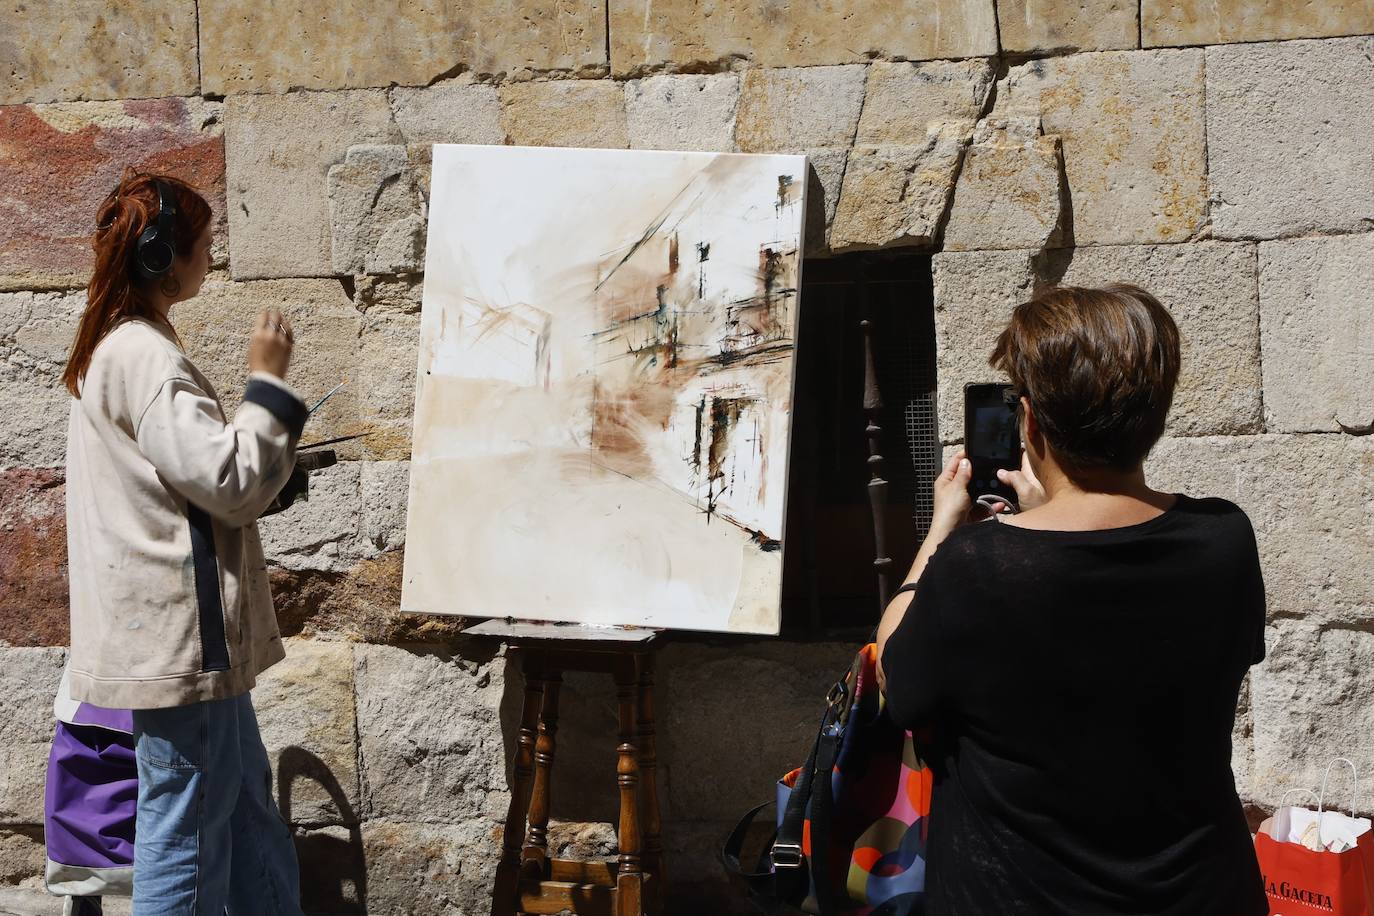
pixel 528 880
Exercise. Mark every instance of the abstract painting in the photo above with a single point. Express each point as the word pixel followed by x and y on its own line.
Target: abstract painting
pixel 603 403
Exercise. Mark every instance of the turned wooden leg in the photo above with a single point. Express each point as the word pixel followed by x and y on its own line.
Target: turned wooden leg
pixel 536 850
pixel 629 878
pixel 505 892
pixel 648 766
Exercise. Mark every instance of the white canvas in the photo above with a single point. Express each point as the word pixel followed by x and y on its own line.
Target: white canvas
pixel 603 404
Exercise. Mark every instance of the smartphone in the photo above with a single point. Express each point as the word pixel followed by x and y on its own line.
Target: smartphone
pixel 992 437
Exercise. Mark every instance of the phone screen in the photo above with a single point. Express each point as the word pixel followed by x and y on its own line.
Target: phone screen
pixel 992 438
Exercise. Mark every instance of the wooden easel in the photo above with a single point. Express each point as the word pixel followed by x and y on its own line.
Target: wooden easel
pixel 528 880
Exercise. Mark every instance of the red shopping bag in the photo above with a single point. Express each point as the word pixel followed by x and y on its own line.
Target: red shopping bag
pixel 1303 882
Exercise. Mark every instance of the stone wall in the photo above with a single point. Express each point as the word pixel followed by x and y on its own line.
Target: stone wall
pixel 1214 152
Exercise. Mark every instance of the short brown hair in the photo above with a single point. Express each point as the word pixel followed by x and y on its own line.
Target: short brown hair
pixel 1099 368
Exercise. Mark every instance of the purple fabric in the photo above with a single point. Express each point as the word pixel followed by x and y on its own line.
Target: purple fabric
pixel 120 720
pixel 91 797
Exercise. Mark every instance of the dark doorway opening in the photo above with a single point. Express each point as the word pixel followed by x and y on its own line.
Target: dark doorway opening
pixel 830 587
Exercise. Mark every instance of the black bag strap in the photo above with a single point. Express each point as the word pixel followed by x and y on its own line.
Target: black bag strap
pixel 822 812
pixel 761 880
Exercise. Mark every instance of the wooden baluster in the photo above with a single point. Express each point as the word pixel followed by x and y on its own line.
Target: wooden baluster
pixel 629 879
pixel 535 855
pixel 877 486
pixel 506 890
pixel 648 765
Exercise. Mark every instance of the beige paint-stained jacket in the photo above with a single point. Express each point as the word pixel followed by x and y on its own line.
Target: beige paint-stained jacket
pixel 169 596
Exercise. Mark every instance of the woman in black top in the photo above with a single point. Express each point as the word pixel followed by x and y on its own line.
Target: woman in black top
pixel 1079 663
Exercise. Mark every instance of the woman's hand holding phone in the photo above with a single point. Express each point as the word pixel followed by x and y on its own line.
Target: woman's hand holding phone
pixel 1029 492
pixel 952 502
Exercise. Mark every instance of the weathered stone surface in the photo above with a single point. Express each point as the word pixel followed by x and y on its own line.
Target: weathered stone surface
pixel 28 683
pixel 22 856
pixel 1131 124
pixel 974 295
pixel 799 108
pixel 279 149
pixel 326 44
pixel 456 111
pixel 53 52
pixel 1307 497
pixel 777 683
pixel 36 331
pixel 582 113
pixel 387 358
pixel 423 869
pixel 361 604
pixel 1317 332
pixel 441 760
pixel 696 35
pixel 683 112
pixel 1208 22
pixel 1204 286
pixel 34 900
pixel 1209 290
pixel 1287 126
pixel 1313 701
pixel 898 195
pixel 33 558
pixel 1081 25
pixel 902 100
pixel 822 195
pixel 385 488
pixel 215 327
pixel 58 162
pixel 1010 189
pixel 305 710
pixel 321 532
pixel 377 217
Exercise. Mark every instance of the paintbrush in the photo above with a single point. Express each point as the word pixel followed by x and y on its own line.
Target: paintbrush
pixel 327 396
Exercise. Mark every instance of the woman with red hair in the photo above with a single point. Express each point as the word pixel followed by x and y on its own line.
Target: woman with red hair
pixel 170 608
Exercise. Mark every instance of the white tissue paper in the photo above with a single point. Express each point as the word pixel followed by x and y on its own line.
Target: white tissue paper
pixel 1330 830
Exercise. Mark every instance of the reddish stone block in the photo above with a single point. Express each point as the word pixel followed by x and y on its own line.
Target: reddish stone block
pixel 59 161
pixel 33 557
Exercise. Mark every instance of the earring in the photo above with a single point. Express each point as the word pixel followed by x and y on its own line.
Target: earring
pixel 175 285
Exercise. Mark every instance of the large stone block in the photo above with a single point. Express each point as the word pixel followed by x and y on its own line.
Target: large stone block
pixel 456 111
pixel 326 44
pixel 1287 130
pixel 33 558
pixel 387 358
pixel 1307 497
pixel 1078 25
pixel 1313 700
pixel 1205 286
pixel 377 216
pixel 781 686
pixel 28 683
pixel 694 112
pixel 360 603
pixel 697 35
pixel 898 195
pixel 1209 289
pixel 279 149
pixel 902 100
pixel 430 734
pixel 76 49
pixel 385 488
pixel 1010 189
pixel 1317 333
pixel 801 108
pixel 22 856
pixel 322 531
pixel 36 331
pixel 58 162
pixel 974 295
pixel 825 175
pixel 216 325
pixel 305 711
pixel 1131 124
pixel 1211 22
pixel 583 113
pixel 423 869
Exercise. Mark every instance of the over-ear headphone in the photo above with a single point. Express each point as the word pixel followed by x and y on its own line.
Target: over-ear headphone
pixel 157 245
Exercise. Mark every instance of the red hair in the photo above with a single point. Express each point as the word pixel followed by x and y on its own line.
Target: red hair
pixel 116 293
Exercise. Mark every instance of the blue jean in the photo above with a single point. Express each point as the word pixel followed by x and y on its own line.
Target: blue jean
pixel 208 835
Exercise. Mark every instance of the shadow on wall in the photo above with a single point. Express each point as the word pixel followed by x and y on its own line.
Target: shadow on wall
pixel 333 865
